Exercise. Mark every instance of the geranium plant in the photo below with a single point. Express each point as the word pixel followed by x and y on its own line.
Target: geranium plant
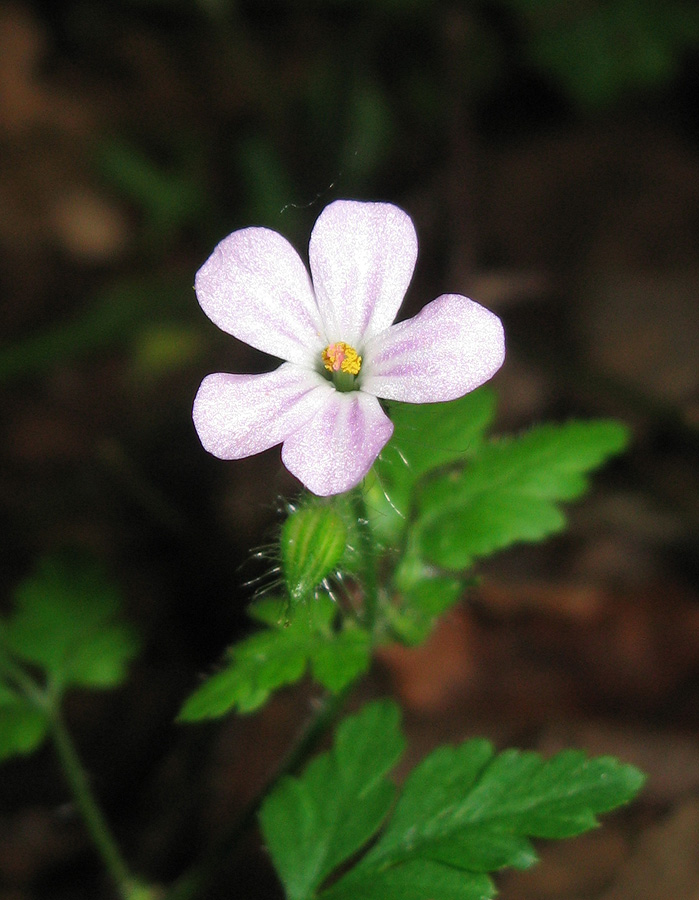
pixel 385 425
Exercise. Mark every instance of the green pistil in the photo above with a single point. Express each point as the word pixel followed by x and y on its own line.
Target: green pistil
pixel 344 381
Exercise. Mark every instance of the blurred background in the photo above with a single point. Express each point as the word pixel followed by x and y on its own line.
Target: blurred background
pixel 548 153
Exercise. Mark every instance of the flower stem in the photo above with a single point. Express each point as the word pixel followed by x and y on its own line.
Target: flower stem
pixel 202 875
pixel 367 550
pixel 129 888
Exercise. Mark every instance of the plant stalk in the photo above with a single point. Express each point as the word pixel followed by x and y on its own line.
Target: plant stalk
pixel 367 550
pixel 128 886
pixel 202 875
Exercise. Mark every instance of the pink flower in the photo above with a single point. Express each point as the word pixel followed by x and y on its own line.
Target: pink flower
pixel 336 334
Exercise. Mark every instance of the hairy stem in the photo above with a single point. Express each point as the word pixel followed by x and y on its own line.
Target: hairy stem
pixel 367 551
pixel 203 874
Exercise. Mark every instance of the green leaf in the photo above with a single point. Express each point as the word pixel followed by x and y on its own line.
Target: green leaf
pixel 279 655
pixel 64 623
pixel 115 314
pixel 430 435
pixel 314 823
pixel 420 604
pixel 468 809
pixel 338 662
pixel 464 812
pixel 510 492
pixel 425 437
pixel 417 880
pixel 598 53
pixel 313 540
pixel 23 726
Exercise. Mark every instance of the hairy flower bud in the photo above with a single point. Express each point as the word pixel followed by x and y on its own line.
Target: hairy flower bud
pixel 313 540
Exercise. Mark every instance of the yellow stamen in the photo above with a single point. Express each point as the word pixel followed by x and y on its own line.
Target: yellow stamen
pixel 340 357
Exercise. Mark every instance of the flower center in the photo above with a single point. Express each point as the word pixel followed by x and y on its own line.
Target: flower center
pixel 340 357
pixel 343 362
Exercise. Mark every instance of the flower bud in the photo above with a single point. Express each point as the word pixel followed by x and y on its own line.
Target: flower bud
pixel 313 540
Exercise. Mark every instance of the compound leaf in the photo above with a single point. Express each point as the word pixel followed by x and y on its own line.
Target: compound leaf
pixel 425 437
pixel 279 655
pixel 64 623
pixel 466 808
pixel 314 823
pixel 510 492
pixel 464 812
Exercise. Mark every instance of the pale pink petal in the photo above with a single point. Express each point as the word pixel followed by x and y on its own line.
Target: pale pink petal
pixel 362 257
pixel 256 287
pixel 451 347
pixel 336 449
pixel 240 415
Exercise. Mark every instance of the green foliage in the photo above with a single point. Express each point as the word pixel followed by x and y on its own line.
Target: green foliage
pixel 280 654
pixel 443 496
pixel 116 317
pixel 446 496
pixel 433 434
pixel 64 624
pixel 421 602
pixel 169 197
pixel 463 812
pixel 425 438
pixel 598 52
pixel 511 490
pixel 23 726
pixel 314 823
pixel 313 541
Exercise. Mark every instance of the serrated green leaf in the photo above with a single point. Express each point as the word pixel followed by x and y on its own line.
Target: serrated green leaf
pixel 338 662
pixel 464 812
pixel 418 879
pixel 314 823
pixel 510 491
pixel 467 808
pixel 23 727
pixel 425 437
pixel 64 623
pixel 420 604
pixel 312 542
pixel 279 656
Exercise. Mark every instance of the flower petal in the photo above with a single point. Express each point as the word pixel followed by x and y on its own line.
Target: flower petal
pixel 449 348
pixel 240 415
pixel 362 257
pixel 256 287
pixel 335 450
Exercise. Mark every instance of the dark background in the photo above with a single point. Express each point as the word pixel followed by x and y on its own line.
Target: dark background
pixel 548 153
